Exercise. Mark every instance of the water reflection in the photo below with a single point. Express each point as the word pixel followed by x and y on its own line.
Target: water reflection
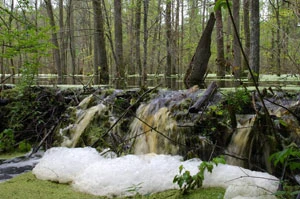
pixel 173 83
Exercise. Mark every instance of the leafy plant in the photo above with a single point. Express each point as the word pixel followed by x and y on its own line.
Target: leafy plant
pixel 7 140
pixel 239 100
pixel 289 158
pixel 24 146
pixel 188 182
pixel 221 4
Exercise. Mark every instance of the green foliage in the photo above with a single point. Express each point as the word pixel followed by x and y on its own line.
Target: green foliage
pixel 188 182
pixel 290 155
pixel 215 109
pixel 221 4
pixel 289 158
pixel 7 140
pixel 26 42
pixel 239 100
pixel 24 146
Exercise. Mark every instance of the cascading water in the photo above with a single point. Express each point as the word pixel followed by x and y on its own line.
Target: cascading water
pixel 164 125
pixel 239 145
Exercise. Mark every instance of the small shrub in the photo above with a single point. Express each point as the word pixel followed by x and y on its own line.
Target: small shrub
pixel 24 146
pixel 7 140
pixel 187 182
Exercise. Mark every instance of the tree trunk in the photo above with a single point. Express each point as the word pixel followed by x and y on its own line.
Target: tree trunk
pixel 195 74
pixel 236 68
pixel 100 59
pixel 246 31
pixel 137 36
pixel 120 70
pixel 144 73
pixel 56 52
pixel 155 42
pixel 275 5
pixel 220 61
pixel 254 39
pixel 169 39
pixel 70 25
pixel 63 40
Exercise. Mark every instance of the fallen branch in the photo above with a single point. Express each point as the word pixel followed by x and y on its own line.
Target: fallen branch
pixel 210 91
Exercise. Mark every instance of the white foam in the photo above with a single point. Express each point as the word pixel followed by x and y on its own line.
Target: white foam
pixel 63 164
pixel 89 172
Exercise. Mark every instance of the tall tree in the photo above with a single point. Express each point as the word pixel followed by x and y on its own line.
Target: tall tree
pixel 144 73
pixel 220 44
pixel 137 36
pixel 56 51
pixel 63 39
pixel 275 4
pixel 101 73
pixel 120 69
pixel 246 6
pixel 254 39
pixel 71 36
pixel 236 46
pixel 169 38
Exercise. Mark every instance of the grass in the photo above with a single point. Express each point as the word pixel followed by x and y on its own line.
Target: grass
pixel 26 186
pixel 5 156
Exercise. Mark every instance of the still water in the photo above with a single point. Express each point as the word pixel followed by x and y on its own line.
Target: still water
pixel 174 83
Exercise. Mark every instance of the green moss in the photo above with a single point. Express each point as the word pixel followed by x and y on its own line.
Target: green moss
pixel 27 186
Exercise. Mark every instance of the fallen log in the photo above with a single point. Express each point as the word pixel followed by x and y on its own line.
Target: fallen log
pixel 208 93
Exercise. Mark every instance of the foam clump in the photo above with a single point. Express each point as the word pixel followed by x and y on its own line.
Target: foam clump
pixel 139 173
pixel 242 183
pixel 63 164
pixel 127 175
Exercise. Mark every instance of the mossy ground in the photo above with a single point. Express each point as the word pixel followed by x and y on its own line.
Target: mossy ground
pixel 5 156
pixel 26 186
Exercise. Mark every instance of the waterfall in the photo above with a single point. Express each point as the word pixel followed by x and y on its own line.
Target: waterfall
pixel 240 141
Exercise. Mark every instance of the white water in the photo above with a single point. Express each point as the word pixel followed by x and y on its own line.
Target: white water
pixel 90 172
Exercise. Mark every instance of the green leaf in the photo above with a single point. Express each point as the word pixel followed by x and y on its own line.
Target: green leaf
pixel 294 165
pixel 220 4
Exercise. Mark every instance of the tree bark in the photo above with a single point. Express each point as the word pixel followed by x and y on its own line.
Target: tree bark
pixel 100 58
pixel 220 61
pixel 137 36
pixel 56 52
pixel 236 68
pixel 70 26
pixel 246 6
pixel 63 40
pixel 206 96
pixel 254 39
pixel 120 70
pixel 169 39
pixel 144 70
pixel 195 74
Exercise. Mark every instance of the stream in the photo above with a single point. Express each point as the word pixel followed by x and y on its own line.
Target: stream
pixel 12 167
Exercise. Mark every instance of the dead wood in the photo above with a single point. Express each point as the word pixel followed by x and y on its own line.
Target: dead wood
pixel 196 71
pixel 208 93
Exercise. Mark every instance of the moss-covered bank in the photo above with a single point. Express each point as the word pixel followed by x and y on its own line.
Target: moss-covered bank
pixel 26 186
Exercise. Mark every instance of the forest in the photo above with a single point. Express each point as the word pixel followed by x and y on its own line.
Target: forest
pixel 196 78
pixel 113 40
